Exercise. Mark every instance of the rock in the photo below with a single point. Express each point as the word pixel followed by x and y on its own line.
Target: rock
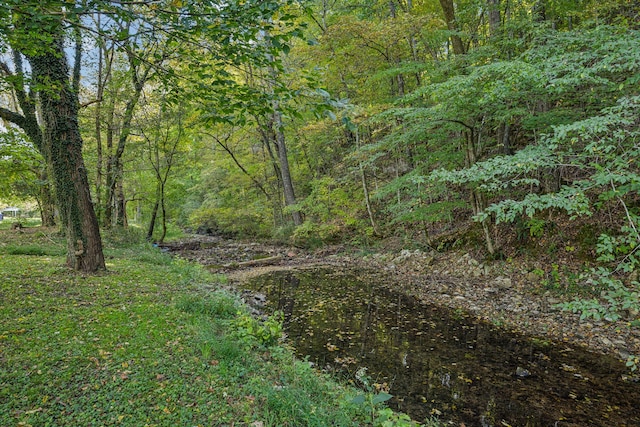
pixel 502 282
pixel 522 373
pixel 620 344
pixel 531 277
pixel 606 341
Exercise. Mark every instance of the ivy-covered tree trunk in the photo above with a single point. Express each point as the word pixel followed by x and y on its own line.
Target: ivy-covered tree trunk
pixel 46 200
pixel 62 148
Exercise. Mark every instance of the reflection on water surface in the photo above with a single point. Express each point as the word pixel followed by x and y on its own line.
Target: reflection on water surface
pixel 436 361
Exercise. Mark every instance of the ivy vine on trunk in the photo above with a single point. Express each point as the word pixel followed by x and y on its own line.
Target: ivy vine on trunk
pixel 39 36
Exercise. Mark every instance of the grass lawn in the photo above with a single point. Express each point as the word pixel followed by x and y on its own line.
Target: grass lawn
pixel 150 342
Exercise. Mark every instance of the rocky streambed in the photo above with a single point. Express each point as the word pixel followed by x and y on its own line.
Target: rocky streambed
pixel 505 295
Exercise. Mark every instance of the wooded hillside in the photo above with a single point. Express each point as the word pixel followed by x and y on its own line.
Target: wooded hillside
pixel 489 123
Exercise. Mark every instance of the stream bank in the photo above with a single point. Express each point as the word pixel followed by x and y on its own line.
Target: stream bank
pixel 504 294
pixel 437 361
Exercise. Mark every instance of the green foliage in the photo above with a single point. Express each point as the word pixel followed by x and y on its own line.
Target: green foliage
pixel 615 298
pixel 21 166
pixel 313 235
pixel 373 400
pixel 536 227
pixel 123 236
pixel 251 331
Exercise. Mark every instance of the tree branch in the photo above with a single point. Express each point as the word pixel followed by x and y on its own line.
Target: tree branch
pixel 77 66
pixel 13 117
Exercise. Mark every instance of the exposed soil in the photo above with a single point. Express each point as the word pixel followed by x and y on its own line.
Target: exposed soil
pixel 500 292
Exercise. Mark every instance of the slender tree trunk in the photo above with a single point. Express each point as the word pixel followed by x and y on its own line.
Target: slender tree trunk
pixel 365 189
pixel 62 145
pixel 154 215
pixel 163 209
pixel 108 208
pixel 116 171
pixel 479 201
pixel 494 16
pixel 506 139
pixel 98 128
pixel 287 182
pixel 120 204
pixel 450 17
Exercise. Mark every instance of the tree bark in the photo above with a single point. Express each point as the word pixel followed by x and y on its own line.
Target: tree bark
pixel 62 148
pixel 287 182
pixel 46 201
pixel 450 17
pixel 494 16
pixel 154 215
pixel 365 189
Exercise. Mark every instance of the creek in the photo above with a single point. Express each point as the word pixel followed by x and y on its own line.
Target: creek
pixel 436 361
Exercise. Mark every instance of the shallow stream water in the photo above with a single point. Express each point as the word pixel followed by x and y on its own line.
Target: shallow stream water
pixel 436 361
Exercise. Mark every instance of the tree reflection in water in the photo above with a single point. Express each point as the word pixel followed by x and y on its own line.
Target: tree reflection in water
pixel 436 361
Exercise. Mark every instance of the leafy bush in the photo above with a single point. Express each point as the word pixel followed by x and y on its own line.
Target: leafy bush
pixel 311 234
pixel 615 298
pixel 252 331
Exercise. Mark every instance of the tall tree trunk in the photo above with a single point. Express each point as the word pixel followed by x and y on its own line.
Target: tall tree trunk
pixel 28 122
pixel 62 148
pixel 46 201
pixel 163 209
pixel 287 182
pixel 154 215
pixel 478 199
pixel 450 17
pixel 104 74
pixel 365 189
pixel 115 169
pixel 494 16
pixel 120 203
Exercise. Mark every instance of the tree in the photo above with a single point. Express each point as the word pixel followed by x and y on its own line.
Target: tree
pixel 23 173
pixel 449 12
pixel 36 31
pixel 163 130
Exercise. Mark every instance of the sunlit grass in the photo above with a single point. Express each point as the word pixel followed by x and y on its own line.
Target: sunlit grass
pixel 145 343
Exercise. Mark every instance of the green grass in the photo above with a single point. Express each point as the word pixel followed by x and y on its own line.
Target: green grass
pixel 143 344
pixel 8 221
